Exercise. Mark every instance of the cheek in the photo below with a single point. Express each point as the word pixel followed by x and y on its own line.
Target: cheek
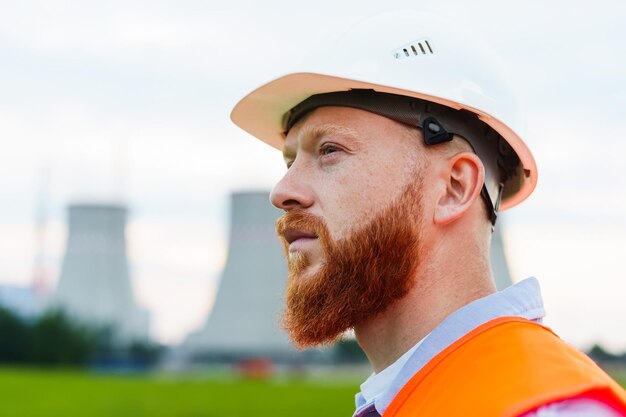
pixel 358 199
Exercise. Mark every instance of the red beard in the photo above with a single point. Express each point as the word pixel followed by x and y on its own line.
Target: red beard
pixel 361 276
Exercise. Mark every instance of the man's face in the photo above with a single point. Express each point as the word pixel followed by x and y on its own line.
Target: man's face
pixel 351 228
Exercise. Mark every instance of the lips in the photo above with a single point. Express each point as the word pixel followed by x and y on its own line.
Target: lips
pixel 298 239
pixel 292 235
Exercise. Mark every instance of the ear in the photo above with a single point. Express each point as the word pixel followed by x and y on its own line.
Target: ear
pixel 464 176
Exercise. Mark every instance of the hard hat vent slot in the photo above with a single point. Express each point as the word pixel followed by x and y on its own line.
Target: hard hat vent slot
pixel 420 47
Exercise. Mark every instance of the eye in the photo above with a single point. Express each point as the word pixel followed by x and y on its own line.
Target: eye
pixel 328 148
pixel 289 164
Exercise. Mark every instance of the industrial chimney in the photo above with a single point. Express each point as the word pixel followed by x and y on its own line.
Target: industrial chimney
pixel 94 286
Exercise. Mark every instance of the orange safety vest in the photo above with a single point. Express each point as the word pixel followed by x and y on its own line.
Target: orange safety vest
pixel 504 368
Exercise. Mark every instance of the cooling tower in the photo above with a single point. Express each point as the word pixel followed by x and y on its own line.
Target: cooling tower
pixel 94 286
pixel 245 319
pixel 499 265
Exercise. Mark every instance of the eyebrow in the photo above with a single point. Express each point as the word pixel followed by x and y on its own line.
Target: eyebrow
pixel 313 133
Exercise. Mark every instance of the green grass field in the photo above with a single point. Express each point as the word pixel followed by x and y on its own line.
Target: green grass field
pixel 34 393
pixel 51 393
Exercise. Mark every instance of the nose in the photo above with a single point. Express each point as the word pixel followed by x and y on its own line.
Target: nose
pixel 292 191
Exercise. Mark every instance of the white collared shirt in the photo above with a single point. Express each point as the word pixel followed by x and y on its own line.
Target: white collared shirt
pixel 377 383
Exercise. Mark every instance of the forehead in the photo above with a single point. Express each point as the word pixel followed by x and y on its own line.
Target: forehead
pixel 358 126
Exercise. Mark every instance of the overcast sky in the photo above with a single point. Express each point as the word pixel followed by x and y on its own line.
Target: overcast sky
pixel 130 100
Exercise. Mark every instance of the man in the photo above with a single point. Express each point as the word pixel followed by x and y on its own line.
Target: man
pixel 400 154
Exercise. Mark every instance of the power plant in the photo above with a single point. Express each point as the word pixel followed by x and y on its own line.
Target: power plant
pixel 94 286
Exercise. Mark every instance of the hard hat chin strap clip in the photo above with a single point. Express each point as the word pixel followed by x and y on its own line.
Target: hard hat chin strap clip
pixel 434 132
pixel 492 211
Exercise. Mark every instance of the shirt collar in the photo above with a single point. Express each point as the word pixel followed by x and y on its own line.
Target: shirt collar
pixel 378 382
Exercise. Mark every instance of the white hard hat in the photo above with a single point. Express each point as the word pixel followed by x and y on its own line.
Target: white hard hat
pixel 413 55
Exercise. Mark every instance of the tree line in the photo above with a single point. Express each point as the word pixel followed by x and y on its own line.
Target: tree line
pixel 55 339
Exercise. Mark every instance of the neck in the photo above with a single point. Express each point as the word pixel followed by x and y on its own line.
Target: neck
pixel 452 279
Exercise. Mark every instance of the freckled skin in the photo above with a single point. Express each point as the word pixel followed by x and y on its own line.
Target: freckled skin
pixel 372 161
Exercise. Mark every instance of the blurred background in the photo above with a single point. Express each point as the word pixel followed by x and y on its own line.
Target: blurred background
pixel 139 265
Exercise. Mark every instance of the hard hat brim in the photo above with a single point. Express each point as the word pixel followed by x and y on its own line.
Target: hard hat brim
pixel 261 113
